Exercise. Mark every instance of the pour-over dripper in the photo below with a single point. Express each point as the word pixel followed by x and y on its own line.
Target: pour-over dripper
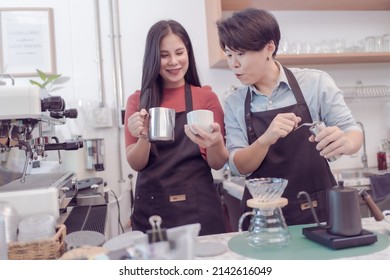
pixel 266 189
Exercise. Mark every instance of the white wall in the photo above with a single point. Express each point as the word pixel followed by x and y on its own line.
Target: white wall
pixel 76 58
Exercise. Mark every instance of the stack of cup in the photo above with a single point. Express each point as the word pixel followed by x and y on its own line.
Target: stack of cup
pixel 11 220
pixel 37 227
pixel 3 242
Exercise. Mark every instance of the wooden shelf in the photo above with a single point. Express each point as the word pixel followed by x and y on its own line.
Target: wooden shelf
pixel 327 5
pixel 334 58
pixel 326 58
pixel 214 10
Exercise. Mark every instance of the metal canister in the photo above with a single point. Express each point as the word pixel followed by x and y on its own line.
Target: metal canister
pixel 315 129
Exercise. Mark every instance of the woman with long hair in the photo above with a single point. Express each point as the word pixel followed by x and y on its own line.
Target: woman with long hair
pixel 174 178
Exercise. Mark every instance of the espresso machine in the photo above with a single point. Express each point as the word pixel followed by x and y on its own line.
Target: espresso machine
pixel 23 113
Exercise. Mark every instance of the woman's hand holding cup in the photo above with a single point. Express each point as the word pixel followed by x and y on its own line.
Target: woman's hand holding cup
pixel 138 124
pixel 202 129
pixel 202 119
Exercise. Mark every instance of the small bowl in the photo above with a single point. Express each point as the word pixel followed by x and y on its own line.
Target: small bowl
pixel 266 189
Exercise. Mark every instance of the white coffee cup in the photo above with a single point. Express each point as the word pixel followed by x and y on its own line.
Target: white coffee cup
pixel 201 118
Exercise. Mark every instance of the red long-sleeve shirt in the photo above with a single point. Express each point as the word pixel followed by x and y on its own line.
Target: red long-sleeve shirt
pixel 174 98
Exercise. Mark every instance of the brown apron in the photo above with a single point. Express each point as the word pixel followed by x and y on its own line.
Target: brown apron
pixel 177 184
pixel 293 158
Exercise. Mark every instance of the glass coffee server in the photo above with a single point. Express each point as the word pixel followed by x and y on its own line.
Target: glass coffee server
pixel 267 226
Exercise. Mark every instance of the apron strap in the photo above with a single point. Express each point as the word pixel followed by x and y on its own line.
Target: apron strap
pixel 248 118
pixel 248 114
pixel 296 89
pixel 188 97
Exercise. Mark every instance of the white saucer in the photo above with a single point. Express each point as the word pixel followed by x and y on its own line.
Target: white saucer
pixel 82 238
pixel 122 241
pixel 208 249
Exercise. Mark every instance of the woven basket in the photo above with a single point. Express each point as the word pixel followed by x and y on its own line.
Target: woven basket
pixel 46 249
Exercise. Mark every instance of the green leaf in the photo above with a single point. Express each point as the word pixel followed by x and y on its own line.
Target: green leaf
pixel 45 84
pixel 47 80
pixel 42 75
pixel 53 77
pixel 36 83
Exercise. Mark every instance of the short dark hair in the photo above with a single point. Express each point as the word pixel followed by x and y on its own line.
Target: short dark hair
pixel 248 30
pixel 152 84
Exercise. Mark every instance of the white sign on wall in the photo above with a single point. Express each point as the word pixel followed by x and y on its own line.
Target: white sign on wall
pixel 27 41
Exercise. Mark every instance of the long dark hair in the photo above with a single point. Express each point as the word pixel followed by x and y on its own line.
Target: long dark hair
pixel 249 30
pixel 152 84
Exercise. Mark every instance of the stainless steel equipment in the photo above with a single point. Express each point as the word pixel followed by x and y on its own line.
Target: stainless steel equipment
pixel 88 209
pixel 91 191
pixel 364 158
pixel 94 154
pixel 315 129
pixel 23 112
pixel 162 124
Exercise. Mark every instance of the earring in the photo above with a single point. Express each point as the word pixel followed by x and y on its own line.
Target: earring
pixel 267 58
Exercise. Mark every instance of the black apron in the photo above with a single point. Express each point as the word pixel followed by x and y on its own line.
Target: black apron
pixel 293 158
pixel 177 184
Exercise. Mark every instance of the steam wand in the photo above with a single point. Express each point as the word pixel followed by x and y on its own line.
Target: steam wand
pixel 55 138
pixel 29 154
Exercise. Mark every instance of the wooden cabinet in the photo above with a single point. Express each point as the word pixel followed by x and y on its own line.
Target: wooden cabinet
pixel 214 9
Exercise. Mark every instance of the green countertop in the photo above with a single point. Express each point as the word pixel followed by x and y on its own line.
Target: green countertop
pixel 301 248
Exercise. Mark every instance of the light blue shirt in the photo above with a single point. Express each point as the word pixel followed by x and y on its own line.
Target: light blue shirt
pixel 323 98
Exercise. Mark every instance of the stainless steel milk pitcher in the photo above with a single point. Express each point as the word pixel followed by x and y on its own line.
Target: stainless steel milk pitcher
pixel 161 124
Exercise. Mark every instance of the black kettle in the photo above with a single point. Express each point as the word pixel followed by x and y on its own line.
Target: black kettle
pixel 343 211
